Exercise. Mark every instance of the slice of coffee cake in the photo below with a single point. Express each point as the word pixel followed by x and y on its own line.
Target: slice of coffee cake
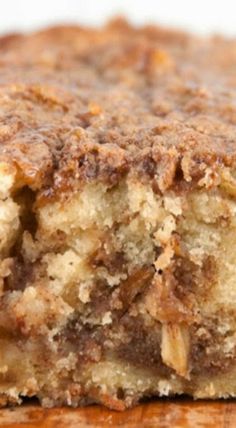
pixel 117 216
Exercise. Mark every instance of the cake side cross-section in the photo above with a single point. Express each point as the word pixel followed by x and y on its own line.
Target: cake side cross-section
pixel 117 215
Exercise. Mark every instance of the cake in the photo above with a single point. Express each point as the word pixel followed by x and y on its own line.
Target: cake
pixel 117 215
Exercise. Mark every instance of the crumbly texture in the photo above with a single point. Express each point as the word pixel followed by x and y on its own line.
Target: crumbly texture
pixel 117 216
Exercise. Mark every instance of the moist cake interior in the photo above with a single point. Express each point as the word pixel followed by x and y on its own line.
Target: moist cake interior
pixel 117 216
pixel 117 293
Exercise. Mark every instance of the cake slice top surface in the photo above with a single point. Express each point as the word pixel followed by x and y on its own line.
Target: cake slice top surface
pixel 95 104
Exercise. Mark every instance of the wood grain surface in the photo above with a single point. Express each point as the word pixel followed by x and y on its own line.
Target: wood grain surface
pixel 158 414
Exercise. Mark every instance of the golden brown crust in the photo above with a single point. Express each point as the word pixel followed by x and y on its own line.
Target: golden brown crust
pixel 81 104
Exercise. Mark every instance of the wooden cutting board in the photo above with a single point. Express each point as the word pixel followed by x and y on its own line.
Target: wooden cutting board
pixel 158 414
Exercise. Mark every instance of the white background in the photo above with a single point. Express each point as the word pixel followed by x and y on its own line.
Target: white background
pixel 202 16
